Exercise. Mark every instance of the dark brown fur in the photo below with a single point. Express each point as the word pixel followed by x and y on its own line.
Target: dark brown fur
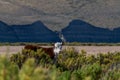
pixel 48 51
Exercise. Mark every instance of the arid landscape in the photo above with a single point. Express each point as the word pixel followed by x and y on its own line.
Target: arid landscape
pixel 88 49
pixel 60 39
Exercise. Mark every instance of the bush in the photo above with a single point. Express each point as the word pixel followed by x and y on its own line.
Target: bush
pixel 8 70
pixel 39 56
pixel 70 65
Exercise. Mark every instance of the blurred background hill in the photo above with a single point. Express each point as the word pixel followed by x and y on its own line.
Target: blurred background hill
pixel 56 14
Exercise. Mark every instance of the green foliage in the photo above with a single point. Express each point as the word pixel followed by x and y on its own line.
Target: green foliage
pixel 71 65
pixel 111 75
pixel 30 72
pixel 66 75
pixel 39 56
pixel 88 71
pixel 8 70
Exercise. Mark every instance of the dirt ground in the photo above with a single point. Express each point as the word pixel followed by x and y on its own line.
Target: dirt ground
pixel 88 49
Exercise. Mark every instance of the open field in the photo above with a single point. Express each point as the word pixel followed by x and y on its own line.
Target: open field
pixel 88 49
pixel 10 49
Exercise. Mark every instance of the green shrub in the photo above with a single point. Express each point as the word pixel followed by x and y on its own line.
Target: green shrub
pixel 70 65
pixel 8 70
pixel 39 56
pixel 92 72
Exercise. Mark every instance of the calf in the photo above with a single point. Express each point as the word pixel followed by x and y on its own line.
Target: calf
pixel 53 52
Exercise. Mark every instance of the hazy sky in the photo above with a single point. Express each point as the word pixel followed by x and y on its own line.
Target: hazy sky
pixel 58 13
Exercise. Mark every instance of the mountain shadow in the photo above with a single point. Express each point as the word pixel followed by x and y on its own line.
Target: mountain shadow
pixel 6 33
pixel 35 32
pixel 80 31
pixel 76 31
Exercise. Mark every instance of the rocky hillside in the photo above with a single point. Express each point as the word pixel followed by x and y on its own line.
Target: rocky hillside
pixel 57 14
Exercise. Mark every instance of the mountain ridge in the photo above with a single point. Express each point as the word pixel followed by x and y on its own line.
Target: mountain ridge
pixel 80 31
pixel 76 31
pixel 56 14
pixel 29 33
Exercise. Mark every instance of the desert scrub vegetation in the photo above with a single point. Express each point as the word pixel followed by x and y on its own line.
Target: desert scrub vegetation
pixel 25 43
pixel 70 65
pixel 51 44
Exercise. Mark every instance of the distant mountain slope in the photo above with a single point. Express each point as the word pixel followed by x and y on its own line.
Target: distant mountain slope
pixel 7 34
pixel 80 31
pixel 56 14
pixel 35 32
